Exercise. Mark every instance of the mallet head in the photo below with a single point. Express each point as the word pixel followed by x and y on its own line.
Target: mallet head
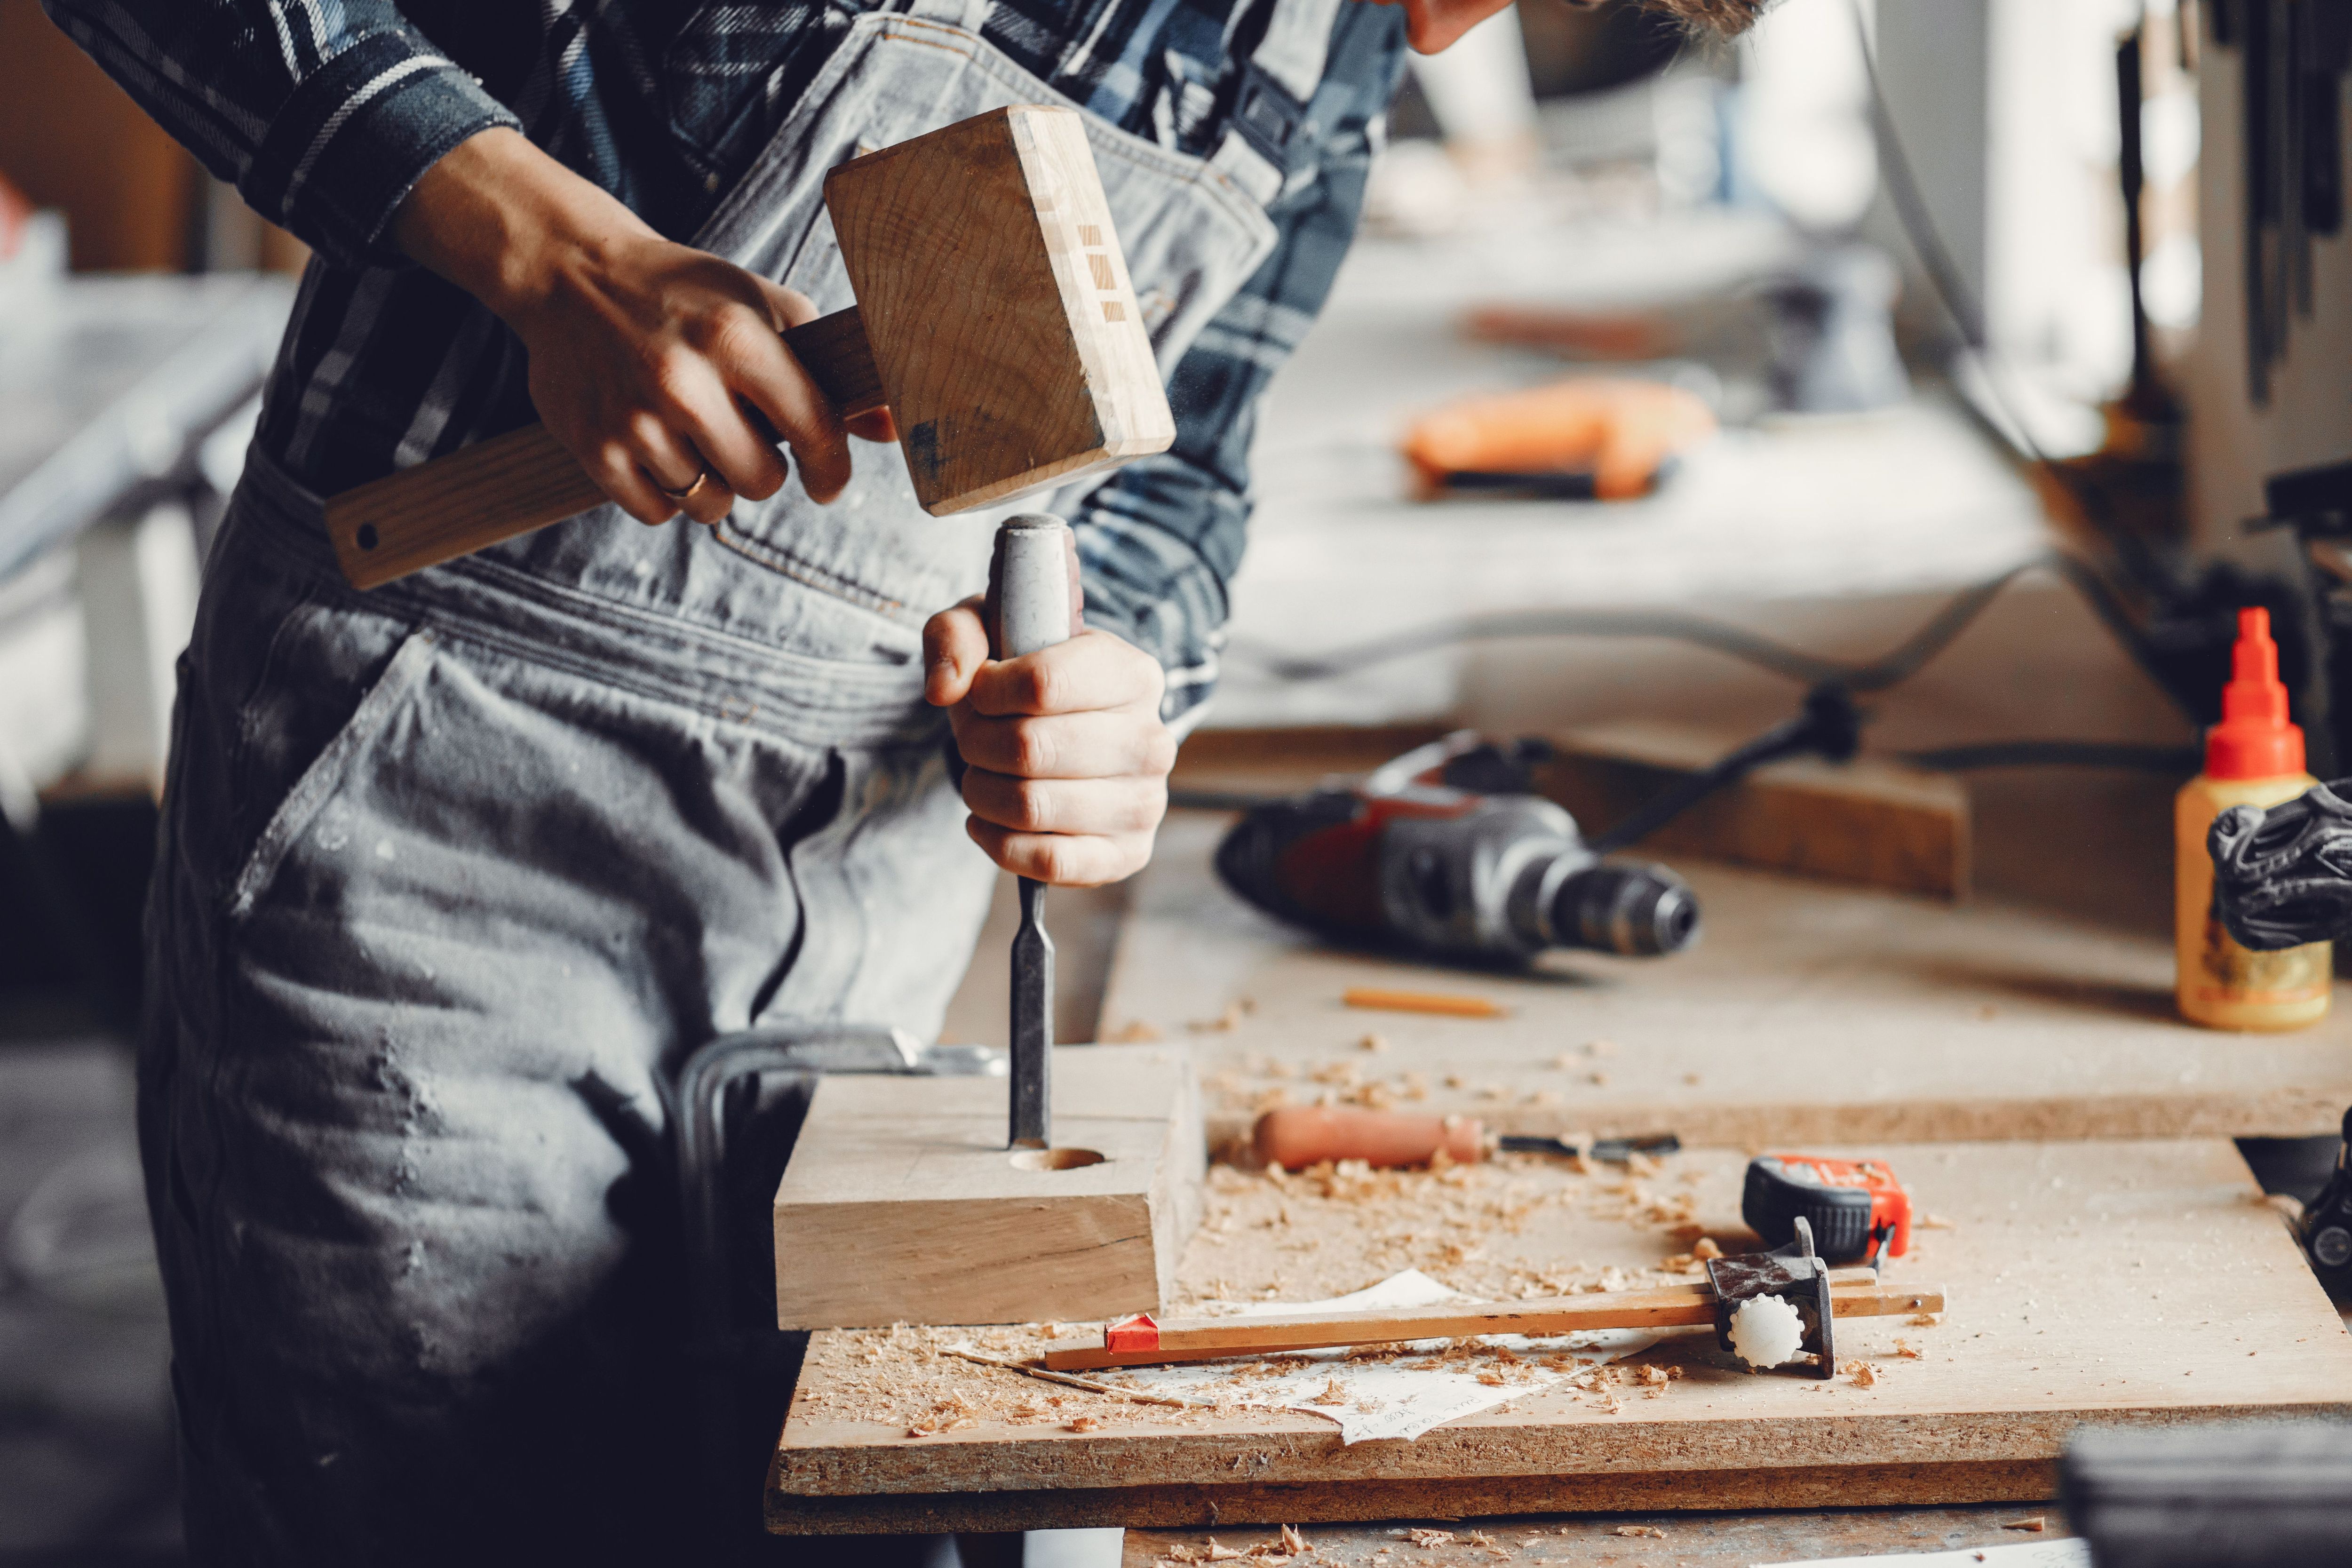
pixel 997 307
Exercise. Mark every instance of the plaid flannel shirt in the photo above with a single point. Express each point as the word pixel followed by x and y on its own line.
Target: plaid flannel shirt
pixel 325 112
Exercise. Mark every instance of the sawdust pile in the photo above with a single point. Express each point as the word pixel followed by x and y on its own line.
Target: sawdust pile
pixel 1271 1235
pixel 1259 1082
pixel 1285 1546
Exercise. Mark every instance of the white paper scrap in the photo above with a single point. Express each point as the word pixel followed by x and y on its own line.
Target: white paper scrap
pixel 2068 1554
pixel 1375 1399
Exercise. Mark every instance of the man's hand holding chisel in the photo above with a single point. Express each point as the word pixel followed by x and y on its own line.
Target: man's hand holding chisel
pixel 1066 762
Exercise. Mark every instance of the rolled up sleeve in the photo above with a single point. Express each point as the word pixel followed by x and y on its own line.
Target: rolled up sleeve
pixel 323 116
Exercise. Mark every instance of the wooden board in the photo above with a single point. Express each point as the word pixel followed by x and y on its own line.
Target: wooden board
pixel 1872 822
pixel 997 300
pixel 2109 1282
pixel 1621 1541
pixel 903 1204
pixel 1806 1012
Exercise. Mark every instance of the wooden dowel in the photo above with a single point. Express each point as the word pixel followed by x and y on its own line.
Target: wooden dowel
pixel 1854 1293
pixel 511 484
pixel 1446 1003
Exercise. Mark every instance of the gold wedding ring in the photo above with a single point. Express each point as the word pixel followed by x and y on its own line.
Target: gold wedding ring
pixel 701 480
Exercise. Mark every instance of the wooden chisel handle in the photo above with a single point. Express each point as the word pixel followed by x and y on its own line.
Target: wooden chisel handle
pixel 511 484
pixel 1296 1136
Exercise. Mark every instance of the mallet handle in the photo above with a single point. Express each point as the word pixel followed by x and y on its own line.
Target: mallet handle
pixel 511 484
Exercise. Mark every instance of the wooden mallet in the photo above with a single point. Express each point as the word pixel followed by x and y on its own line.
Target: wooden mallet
pixel 995 320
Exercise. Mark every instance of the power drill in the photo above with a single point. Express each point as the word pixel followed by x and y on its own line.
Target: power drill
pixel 1417 857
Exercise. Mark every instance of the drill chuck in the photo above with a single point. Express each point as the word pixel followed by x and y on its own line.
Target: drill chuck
pixel 1633 907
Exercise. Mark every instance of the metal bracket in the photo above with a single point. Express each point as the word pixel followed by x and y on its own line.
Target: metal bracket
pixel 1794 1273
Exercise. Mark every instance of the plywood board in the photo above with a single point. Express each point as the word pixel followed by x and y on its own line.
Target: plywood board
pixel 1807 1012
pixel 2116 1281
pixel 902 1203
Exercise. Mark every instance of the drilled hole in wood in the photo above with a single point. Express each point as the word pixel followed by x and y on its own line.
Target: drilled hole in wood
pixel 1056 1159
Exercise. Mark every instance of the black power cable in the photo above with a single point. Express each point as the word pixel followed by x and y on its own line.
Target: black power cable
pixel 1829 726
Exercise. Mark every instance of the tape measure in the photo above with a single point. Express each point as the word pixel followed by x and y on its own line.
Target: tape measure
pixel 1854 1207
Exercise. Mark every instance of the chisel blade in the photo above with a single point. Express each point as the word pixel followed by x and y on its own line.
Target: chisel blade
pixel 1033 1024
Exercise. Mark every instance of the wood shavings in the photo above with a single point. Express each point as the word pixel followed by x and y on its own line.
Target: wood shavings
pixel 1908 1351
pixel 1081 1423
pixel 1861 1372
pixel 1487 1544
pixel 1931 1222
pixel 1429 1539
pixel 2037 1524
pixel 1332 1393
pixel 1135 1032
pixel 1649 1532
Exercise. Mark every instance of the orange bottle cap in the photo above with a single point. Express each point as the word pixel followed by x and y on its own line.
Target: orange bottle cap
pixel 2253 740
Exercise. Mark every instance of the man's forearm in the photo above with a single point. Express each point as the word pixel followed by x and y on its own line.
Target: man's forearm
pixel 511 226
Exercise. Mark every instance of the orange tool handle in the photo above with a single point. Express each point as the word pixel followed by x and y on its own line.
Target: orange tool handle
pixel 1296 1136
pixel 1622 430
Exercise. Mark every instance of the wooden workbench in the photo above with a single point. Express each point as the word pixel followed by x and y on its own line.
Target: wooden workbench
pixel 2114 1281
pixel 1809 1011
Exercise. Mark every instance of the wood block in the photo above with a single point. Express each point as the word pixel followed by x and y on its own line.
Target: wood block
pixel 902 1204
pixel 2111 1282
pixel 1012 353
pixel 1807 1011
pixel 1872 821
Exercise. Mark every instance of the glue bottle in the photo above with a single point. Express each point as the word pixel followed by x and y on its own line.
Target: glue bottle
pixel 2253 757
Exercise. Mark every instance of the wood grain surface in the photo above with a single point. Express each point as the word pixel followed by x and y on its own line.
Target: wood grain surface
pixel 1806 1012
pixel 1011 347
pixel 903 1204
pixel 2113 1282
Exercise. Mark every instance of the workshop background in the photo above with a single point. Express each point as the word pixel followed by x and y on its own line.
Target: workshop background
pixel 1903 289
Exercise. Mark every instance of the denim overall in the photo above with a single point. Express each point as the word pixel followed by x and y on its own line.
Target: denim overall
pixel 453 871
